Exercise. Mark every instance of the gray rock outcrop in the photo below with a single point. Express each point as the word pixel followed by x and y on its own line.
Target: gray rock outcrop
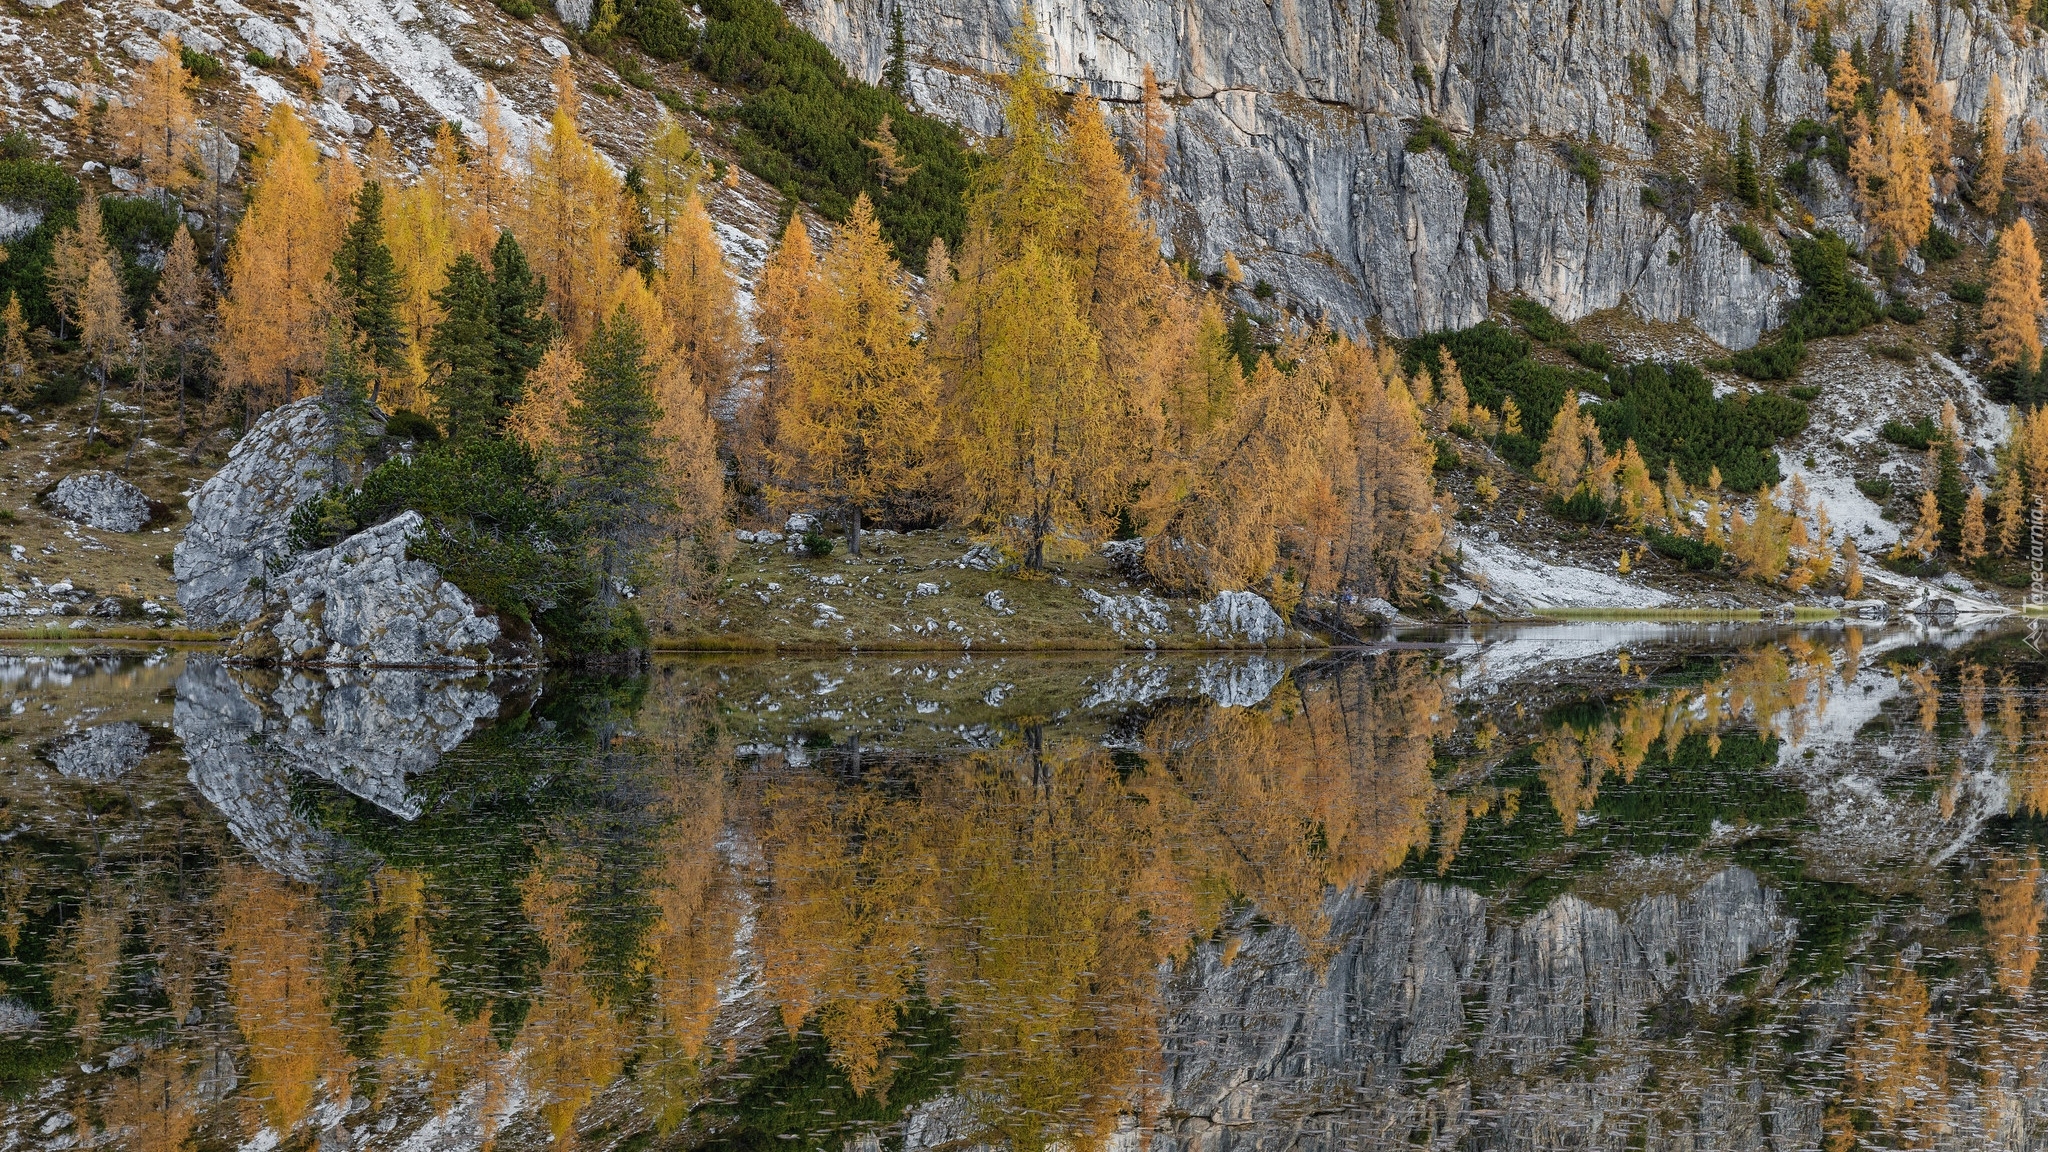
pixel 101 500
pixel 100 754
pixel 1288 129
pixel 365 602
pixel 1239 618
pixel 241 515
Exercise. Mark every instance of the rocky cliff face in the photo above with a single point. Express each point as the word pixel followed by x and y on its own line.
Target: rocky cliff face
pixel 1290 124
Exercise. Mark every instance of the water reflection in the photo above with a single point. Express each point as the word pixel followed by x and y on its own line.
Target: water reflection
pixel 1591 887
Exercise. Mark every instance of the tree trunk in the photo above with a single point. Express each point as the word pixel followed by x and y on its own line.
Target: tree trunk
pixel 853 532
pixel 99 401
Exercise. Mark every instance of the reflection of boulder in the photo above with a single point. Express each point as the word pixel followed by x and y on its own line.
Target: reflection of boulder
pixel 366 603
pixel 245 731
pixel 100 754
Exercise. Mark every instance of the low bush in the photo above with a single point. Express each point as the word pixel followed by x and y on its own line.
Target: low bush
pixel 1672 414
pixel 1538 321
pixel 1969 292
pixel 1751 241
pixel 1904 312
pixel 200 64
pixel 1916 435
pixel 1694 555
pixel 1940 246
pixel 1429 134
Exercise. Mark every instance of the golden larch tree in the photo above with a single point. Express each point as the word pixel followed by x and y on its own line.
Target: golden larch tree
pixel 426 225
pixel 541 418
pixel 1891 166
pixel 1844 83
pixel 273 317
pixel 17 364
pixel 155 123
pixel 1032 419
pixel 1151 140
pixel 1987 187
pixel 178 329
pixel 72 256
pixel 697 295
pixel 854 426
pixel 572 217
pixel 1385 485
pixel 2012 300
pixel 2028 174
pixel 104 334
pixel 670 170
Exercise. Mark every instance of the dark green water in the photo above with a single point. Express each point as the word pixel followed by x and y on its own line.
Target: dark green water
pixel 1590 886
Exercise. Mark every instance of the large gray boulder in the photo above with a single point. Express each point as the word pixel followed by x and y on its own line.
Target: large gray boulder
pixel 365 602
pixel 241 515
pixel 101 500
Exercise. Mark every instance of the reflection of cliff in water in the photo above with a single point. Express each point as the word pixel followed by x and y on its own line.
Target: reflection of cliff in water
pixel 367 732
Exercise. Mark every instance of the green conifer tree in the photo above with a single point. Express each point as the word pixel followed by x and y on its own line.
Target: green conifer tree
pixel 615 462
pixel 897 75
pixel 493 333
pixel 1951 495
pixel 523 330
pixel 1747 189
pixel 369 284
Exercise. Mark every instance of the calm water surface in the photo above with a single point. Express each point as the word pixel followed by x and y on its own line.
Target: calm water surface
pixel 1599 886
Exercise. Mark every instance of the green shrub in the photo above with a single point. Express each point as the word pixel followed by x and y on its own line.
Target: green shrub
pixel 1916 436
pixel 200 64
pixel 1804 393
pixel 1263 291
pixel 1598 357
pixel 1969 292
pixel 141 230
pixel 1694 555
pixel 28 185
pixel 1940 246
pixel 406 424
pixel 1899 353
pixel 802 122
pixel 817 544
pixel 660 28
pixel 1777 360
pixel 1813 139
pixel 1582 163
pixel 1904 312
pixel 1751 241
pixel 1519 450
pixel 1538 321
pixel 1671 413
pixel 1833 303
pixel 518 9
pixel 1429 134
pixel 1878 488
pixel 1388 21
pixel 261 59
pixel 1582 508
pixel 494 527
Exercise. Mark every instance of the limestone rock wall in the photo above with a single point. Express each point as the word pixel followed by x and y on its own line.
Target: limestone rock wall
pixel 1290 119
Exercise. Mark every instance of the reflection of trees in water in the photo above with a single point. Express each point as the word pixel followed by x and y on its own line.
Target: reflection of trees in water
pixel 588 891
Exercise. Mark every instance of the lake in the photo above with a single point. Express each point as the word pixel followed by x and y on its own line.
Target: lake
pixel 1601 885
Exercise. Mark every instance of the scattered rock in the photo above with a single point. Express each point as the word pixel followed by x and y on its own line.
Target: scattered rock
pixel 365 603
pixel 272 40
pixel 1865 609
pixel 926 588
pixel 101 500
pixel 1141 612
pixel 981 558
pixel 993 600
pixel 240 517
pixel 142 48
pixel 1240 617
